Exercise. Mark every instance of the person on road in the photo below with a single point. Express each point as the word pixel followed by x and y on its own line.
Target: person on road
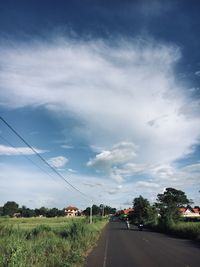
pixel 127 224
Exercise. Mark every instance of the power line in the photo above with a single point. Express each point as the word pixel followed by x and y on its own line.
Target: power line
pixel 9 143
pixel 41 158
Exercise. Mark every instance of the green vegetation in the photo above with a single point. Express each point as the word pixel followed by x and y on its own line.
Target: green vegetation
pixel 143 211
pixel 190 230
pixel 164 216
pixel 169 204
pixel 12 209
pixel 48 242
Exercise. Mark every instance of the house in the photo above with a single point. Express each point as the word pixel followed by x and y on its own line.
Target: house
pixel 128 211
pixel 190 212
pixel 71 211
pixel 17 215
pixel 123 214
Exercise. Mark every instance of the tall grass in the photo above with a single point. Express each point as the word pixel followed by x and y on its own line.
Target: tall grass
pixel 190 230
pixel 52 244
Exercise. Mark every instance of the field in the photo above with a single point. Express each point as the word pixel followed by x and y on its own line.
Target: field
pixel 51 242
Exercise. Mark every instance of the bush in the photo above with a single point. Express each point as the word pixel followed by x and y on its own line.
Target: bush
pixel 190 230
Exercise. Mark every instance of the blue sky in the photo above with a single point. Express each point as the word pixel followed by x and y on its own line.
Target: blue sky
pixel 108 92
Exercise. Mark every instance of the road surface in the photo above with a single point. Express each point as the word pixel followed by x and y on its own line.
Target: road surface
pixel 119 247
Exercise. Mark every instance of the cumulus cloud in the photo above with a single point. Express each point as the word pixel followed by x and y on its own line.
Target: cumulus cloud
pixel 119 153
pixel 11 151
pixel 109 161
pixel 58 162
pixel 124 93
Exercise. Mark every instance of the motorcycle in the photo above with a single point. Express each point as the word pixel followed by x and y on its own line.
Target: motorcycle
pixel 140 226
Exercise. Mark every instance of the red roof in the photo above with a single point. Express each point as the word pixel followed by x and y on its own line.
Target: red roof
pixel 127 211
pixel 195 210
pixel 71 208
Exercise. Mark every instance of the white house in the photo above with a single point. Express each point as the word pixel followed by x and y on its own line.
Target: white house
pixel 190 212
pixel 71 211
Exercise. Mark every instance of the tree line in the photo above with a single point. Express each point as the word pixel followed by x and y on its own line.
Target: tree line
pixel 164 212
pixel 11 208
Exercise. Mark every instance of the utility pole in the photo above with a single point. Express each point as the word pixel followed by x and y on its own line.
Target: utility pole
pixel 91 213
pixel 102 213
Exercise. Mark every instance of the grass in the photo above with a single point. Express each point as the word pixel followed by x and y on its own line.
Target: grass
pixel 189 230
pixel 51 242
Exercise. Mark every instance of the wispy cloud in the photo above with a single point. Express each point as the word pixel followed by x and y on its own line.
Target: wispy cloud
pixel 58 162
pixel 122 92
pixel 71 170
pixel 197 73
pixel 11 151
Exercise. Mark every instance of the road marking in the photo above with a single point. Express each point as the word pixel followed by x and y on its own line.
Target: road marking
pixel 105 253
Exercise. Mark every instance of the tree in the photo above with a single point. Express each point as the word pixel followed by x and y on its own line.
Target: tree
pixel 1 211
pixel 108 210
pixel 41 211
pixel 53 212
pixel 10 208
pixel 143 211
pixel 97 210
pixel 26 212
pixel 169 203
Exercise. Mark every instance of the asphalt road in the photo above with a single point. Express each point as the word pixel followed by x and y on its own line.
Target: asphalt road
pixel 119 247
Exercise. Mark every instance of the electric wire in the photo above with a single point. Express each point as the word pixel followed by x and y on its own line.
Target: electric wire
pixel 30 160
pixel 41 158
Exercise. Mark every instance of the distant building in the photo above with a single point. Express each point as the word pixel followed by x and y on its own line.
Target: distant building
pixel 190 212
pixel 128 211
pixel 125 213
pixel 71 211
pixel 17 215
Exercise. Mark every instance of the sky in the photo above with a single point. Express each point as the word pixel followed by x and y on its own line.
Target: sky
pixel 107 92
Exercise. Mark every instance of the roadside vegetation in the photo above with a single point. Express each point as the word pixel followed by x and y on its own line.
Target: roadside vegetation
pixel 190 230
pixel 48 242
pixel 164 215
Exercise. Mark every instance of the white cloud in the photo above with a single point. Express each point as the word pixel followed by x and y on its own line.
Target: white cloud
pixel 194 89
pixel 71 170
pixel 58 162
pixel 192 167
pixel 109 160
pixel 146 184
pixel 119 153
pixel 93 184
pixel 125 95
pixel 11 151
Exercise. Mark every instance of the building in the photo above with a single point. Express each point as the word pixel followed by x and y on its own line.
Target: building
pixel 190 212
pixel 71 211
pixel 128 211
